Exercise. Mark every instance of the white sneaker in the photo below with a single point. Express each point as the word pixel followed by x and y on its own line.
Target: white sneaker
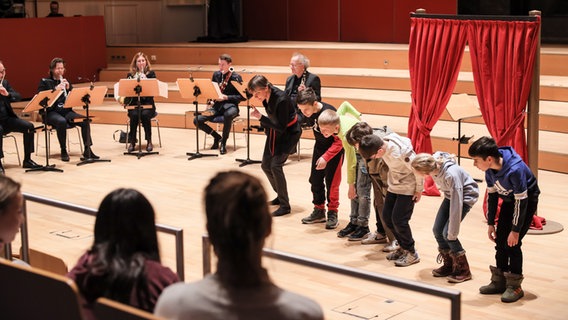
pixel 407 259
pixel 374 238
pixel 393 246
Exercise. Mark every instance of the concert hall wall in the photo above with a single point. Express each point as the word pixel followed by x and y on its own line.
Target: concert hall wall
pixel 33 42
pixel 336 20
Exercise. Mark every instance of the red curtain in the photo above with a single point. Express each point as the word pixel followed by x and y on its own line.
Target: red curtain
pixel 502 57
pixel 435 52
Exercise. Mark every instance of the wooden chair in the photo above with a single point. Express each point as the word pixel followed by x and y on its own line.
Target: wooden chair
pixel 155 120
pixel 219 120
pixel 30 293
pixel 111 310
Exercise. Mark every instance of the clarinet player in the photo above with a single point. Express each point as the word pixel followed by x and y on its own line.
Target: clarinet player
pixel 225 106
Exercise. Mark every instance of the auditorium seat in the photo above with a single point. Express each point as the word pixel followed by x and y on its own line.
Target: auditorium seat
pixel 30 293
pixel 111 310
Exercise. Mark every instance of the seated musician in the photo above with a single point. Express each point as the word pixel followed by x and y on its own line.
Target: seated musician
pixel 225 106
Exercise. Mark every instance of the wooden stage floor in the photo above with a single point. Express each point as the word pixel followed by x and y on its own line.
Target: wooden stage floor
pixel 174 185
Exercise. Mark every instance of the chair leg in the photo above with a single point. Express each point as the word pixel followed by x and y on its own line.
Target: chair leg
pixel 234 139
pixel 158 126
pixel 299 148
pixel 16 146
pixel 80 140
pixel 127 127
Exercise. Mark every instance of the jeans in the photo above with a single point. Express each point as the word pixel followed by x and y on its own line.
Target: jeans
pixel 361 205
pixel 440 228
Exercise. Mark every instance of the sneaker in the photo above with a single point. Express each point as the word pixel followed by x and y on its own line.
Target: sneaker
pixel 407 259
pixel 358 235
pixel 331 220
pixel 349 229
pixel 393 246
pixel 318 215
pixel 395 255
pixel 374 238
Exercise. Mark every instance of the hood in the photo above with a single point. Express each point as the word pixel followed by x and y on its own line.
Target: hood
pixel 448 160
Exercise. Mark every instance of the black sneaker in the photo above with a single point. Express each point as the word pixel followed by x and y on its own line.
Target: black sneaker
pixel 359 234
pixel 331 222
pixel 349 229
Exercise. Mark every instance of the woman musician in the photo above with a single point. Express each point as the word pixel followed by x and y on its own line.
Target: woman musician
pixel 140 68
pixel 225 106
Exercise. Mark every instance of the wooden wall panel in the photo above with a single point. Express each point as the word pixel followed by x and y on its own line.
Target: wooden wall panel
pixel 403 8
pixel 35 41
pixel 314 20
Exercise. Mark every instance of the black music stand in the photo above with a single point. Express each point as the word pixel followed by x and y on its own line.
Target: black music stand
pixel 151 89
pixel 42 101
pixel 242 88
pixel 202 90
pixel 86 96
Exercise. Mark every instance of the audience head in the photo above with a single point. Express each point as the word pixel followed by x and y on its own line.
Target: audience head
pixel 307 101
pixel 328 122
pixel 126 225
pixel 54 7
pixel 57 68
pixel 140 63
pixel 11 209
pixel 357 132
pixel 485 153
pixel 299 63
pixel 259 87
pixel 371 147
pixel 238 221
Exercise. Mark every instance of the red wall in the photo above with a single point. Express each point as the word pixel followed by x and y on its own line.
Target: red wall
pixel 33 42
pixel 336 20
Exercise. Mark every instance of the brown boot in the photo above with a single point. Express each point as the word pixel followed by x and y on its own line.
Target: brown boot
pixel 497 284
pixel 447 266
pixel 514 291
pixel 461 271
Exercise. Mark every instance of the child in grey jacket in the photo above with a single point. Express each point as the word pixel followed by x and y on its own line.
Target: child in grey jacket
pixel 460 194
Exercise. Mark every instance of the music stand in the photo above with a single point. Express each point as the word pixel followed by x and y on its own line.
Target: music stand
pixel 202 90
pixel 44 100
pixel 151 88
pixel 243 90
pixel 460 107
pixel 86 96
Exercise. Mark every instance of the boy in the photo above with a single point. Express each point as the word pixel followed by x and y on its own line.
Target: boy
pixel 510 179
pixel 327 159
pixel 404 190
pixel 339 122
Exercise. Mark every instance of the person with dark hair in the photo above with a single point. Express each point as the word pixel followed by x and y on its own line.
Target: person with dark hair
pixel 140 68
pixel 54 10
pixel 11 210
pixel 238 222
pixel 404 190
pixel 62 118
pixel 123 264
pixel 511 180
pixel 460 194
pixel 9 121
pixel 227 106
pixel 327 159
pixel 283 133
pixel 377 171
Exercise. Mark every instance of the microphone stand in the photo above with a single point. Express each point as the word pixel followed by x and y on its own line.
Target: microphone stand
pixel 86 99
pixel 248 129
pixel 47 167
pixel 140 153
pixel 197 154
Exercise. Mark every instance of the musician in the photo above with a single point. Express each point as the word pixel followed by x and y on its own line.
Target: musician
pixel 140 68
pixel 301 78
pixel 9 122
pixel 283 132
pixel 62 118
pixel 225 106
